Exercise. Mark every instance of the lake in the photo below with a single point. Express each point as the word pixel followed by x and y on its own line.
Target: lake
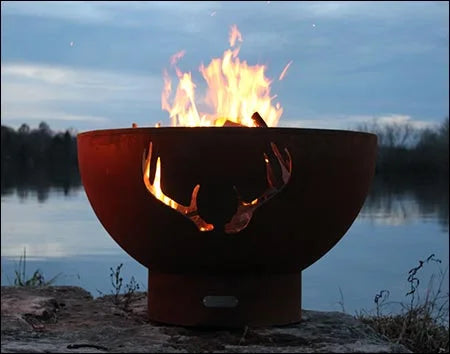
pixel 402 221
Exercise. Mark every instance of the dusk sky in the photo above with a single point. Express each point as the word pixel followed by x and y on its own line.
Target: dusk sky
pixel 98 65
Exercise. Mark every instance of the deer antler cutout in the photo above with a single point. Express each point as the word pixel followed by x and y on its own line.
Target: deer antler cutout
pixel 245 210
pixel 190 211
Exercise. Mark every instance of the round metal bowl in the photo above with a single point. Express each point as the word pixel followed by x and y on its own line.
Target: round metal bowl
pixel 331 174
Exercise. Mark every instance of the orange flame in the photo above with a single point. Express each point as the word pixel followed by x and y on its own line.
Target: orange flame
pixel 155 188
pixel 235 91
pixel 189 211
pixel 234 34
pixel 283 73
pixel 177 56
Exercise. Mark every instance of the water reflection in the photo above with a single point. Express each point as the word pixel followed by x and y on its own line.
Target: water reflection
pixel 391 200
pixel 402 200
pixel 38 183
pixel 403 220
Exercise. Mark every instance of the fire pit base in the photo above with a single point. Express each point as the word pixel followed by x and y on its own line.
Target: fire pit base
pixel 224 300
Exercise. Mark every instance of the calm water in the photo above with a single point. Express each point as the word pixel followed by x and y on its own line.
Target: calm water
pixel 401 223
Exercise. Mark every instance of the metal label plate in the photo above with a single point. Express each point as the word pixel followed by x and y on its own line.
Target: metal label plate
pixel 220 301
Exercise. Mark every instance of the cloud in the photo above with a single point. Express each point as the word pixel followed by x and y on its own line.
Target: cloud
pixel 195 16
pixel 399 119
pixel 182 15
pixel 361 56
pixel 392 10
pixel 75 78
pixel 79 11
pixel 37 113
pixel 352 121
pixel 33 91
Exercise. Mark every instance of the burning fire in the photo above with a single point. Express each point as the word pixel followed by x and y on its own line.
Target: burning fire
pixel 155 189
pixel 235 91
pixel 239 95
pixel 245 209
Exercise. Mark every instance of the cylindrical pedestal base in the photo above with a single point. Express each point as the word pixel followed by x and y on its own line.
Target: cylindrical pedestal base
pixel 224 300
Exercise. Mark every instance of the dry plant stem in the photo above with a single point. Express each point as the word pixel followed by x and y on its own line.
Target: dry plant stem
pixel 242 340
pixel 422 326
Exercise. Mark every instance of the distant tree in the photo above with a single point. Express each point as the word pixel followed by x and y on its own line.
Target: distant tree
pixel 38 158
pixel 405 148
pixel 24 129
pixel 72 131
pixel 443 131
pixel 45 128
pixel 392 135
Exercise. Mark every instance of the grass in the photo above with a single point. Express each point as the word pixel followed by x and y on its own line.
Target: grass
pixel 122 300
pixel 37 279
pixel 422 324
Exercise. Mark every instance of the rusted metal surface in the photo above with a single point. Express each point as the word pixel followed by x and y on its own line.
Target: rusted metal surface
pixel 233 300
pixel 330 178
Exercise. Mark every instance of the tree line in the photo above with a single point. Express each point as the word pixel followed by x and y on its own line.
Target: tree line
pixel 406 149
pixel 41 157
pixel 38 158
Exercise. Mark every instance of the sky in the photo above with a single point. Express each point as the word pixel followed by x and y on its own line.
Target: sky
pixel 99 65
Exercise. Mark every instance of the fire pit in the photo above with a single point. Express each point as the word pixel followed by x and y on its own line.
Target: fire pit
pixel 226 218
pixel 226 212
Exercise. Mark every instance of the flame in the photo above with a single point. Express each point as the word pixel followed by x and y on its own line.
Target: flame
pixel 177 56
pixel 155 188
pixel 283 73
pixel 237 94
pixel 189 211
pixel 235 91
pixel 234 34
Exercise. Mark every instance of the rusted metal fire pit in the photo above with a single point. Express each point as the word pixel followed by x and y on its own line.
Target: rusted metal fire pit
pixel 255 207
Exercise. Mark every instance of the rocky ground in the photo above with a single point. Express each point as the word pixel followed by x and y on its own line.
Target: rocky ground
pixel 67 319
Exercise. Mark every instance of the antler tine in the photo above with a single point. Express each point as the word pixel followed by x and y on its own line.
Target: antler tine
pixel 190 211
pixel 289 166
pixel 269 172
pixel 245 210
pixel 285 164
pixel 193 203
pixel 238 195
pixel 147 159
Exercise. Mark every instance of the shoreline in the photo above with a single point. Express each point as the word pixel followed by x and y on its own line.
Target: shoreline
pixel 68 319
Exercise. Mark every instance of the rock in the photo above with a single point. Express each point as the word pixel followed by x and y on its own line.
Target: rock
pixel 64 319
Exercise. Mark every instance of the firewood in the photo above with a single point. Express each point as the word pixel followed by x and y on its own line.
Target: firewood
pixel 229 123
pixel 259 122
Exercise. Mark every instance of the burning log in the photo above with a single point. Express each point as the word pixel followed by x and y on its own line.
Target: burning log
pixel 257 119
pixel 229 123
pixel 259 122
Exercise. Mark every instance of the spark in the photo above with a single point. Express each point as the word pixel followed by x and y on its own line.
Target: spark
pixel 283 73
pixel 177 56
pixel 234 34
